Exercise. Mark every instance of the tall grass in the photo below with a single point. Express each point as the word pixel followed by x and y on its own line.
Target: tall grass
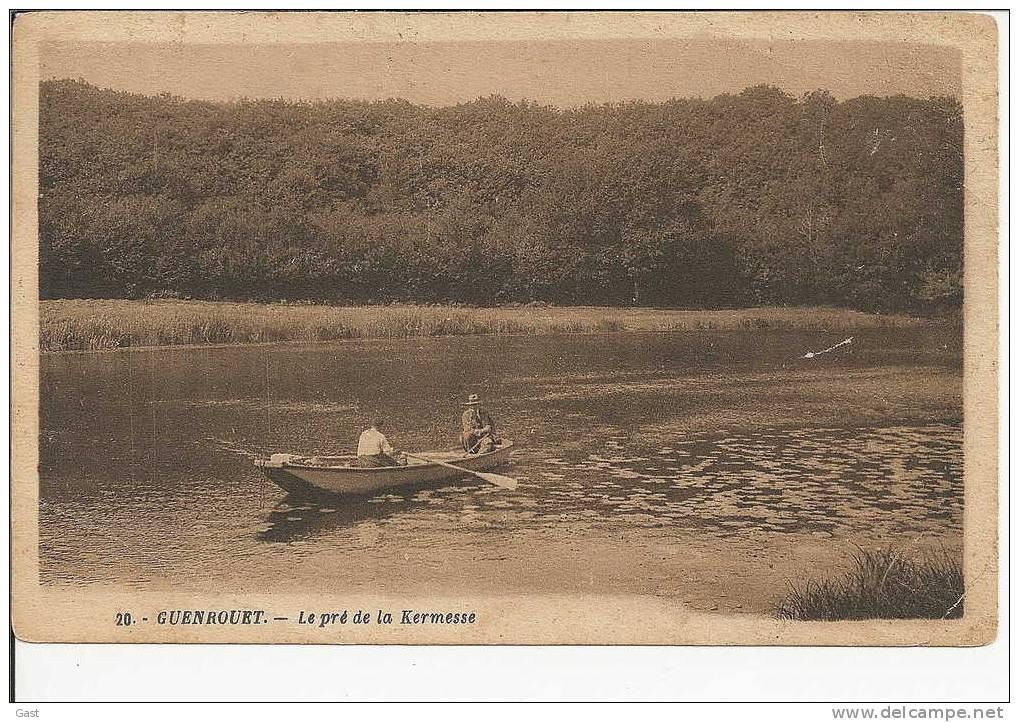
pixel 882 584
pixel 88 325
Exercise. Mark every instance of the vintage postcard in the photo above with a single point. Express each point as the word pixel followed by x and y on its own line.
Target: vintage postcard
pixel 505 328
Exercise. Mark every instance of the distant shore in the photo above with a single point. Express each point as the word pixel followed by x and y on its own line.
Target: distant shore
pixel 96 325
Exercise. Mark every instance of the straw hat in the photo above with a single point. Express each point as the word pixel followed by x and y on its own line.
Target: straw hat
pixel 472 400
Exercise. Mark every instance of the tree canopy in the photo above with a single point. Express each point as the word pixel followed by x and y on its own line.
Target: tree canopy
pixel 745 199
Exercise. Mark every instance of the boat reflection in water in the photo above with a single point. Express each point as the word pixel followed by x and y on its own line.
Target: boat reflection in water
pixel 307 514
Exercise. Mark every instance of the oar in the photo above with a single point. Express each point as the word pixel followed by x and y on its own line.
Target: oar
pixel 505 482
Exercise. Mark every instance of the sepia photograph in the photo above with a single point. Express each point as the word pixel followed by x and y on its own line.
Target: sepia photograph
pixel 505 328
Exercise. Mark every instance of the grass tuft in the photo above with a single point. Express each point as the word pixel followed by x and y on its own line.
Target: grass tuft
pixel 882 584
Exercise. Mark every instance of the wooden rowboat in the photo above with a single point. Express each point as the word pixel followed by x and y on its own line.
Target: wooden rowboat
pixel 337 475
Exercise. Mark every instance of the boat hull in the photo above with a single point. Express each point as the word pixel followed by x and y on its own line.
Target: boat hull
pixel 296 477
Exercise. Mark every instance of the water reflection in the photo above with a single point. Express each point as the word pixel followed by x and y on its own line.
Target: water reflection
pixel 304 517
pixel 146 473
pixel 783 480
pixel 307 514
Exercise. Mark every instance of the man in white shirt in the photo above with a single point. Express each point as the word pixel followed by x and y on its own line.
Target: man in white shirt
pixel 373 448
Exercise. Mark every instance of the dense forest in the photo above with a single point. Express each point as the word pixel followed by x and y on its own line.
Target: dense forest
pixel 746 199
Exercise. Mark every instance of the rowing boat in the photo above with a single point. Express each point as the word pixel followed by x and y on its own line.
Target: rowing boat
pixel 338 475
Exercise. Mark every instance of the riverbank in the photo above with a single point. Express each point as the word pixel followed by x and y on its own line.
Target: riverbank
pixel 94 325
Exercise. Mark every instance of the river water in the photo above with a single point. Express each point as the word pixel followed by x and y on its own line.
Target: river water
pixel 629 444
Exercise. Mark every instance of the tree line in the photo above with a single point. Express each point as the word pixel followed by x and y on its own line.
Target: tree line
pixel 743 199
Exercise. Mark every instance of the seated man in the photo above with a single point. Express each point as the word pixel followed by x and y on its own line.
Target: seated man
pixel 373 448
pixel 478 428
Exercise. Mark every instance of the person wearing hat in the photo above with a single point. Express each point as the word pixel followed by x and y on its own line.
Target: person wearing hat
pixel 478 428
